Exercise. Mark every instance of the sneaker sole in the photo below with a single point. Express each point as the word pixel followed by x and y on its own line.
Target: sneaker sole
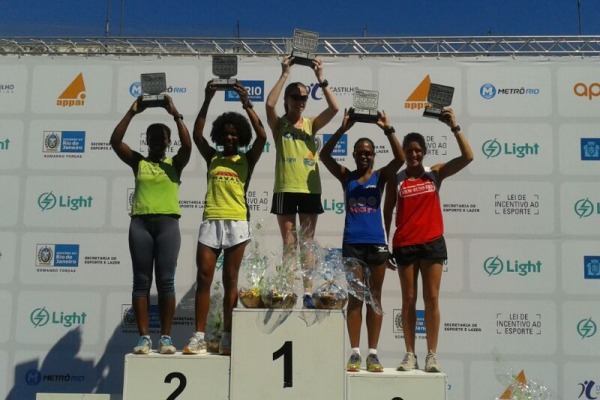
pixel 168 351
pixel 193 352
pixel 433 370
pixel 375 369
pixel 352 369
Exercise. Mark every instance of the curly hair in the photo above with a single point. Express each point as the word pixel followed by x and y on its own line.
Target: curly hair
pixel 415 137
pixel 238 121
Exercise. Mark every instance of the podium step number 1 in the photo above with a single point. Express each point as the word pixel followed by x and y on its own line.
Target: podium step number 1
pixel 291 354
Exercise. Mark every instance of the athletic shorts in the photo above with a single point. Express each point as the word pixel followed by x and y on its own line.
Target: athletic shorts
pixel 222 234
pixel 372 254
pixel 287 203
pixel 434 250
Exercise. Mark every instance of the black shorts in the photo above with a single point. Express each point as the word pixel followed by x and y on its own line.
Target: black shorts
pixel 435 250
pixel 372 254
pixel 287 203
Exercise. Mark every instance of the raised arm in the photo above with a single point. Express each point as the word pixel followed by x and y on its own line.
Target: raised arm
pixel 336 169
pixel 261 136
pixel 389 203
pixel 202 144
pixel 332 105
pixel 273 97
pixel 123 151
pixel 444 170
pixel 182 157
pixel 394 165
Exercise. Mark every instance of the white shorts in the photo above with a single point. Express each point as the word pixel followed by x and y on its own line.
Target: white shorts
pixel 222 234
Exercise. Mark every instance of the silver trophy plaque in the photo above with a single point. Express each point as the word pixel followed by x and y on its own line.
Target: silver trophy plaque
pixel 364 106
pixel 153 88
pixel 224 67
pixel 439 96
pixel 304 46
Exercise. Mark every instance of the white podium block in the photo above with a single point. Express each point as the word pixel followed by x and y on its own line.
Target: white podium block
pixel 394 385
pixel 288 354
pixel 176 376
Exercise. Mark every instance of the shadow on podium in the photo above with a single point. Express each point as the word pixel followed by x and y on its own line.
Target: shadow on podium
pixel 64 368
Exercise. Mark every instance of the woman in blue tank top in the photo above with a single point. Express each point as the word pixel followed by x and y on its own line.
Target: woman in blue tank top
pixel 364 234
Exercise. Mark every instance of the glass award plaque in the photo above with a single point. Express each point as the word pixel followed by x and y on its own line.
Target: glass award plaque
pixel 439 96
pixel 364 106
pixel 304 46
pixel 224 67
pixel 154 86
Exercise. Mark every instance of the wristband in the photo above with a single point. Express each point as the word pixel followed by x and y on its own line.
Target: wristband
pixel 248 105
pixel 389 131
pixel 176 117
pixel 324 84
pixel 456 129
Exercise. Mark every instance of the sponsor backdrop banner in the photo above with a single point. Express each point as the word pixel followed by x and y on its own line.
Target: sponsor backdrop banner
pixel 523 274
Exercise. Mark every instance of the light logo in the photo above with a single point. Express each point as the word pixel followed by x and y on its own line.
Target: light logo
pixel 495 266
pixel 74 95
pixel 493 148
pixel 586 328
pixel 41 317
pixel 487 91
pixel 48 200
pixel 336 206
pixel 590 149
pixel 584 208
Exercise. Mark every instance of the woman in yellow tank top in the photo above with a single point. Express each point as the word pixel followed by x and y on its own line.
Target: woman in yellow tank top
pixel 225 226
pixel 297 182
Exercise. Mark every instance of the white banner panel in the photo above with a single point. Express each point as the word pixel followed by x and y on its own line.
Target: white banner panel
pixel 521 221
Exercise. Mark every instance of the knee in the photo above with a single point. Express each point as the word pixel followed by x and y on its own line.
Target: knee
pixel 165 285
pixel 141 285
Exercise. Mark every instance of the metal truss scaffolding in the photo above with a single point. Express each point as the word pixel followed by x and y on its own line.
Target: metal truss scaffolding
pixel 573 46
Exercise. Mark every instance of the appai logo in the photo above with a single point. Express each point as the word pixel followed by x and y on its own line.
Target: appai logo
pixel 74 95
pixel 418 98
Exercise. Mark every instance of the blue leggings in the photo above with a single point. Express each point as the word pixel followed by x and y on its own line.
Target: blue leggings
pixel 154 242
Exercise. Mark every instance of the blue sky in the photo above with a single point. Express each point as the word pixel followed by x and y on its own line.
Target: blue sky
pixel 270 18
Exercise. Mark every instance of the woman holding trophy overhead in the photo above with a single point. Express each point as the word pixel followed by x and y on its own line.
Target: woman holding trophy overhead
pixel 154 237
pixel 297 188
pixel 226 220
pixel 364 235
pixel 418 242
